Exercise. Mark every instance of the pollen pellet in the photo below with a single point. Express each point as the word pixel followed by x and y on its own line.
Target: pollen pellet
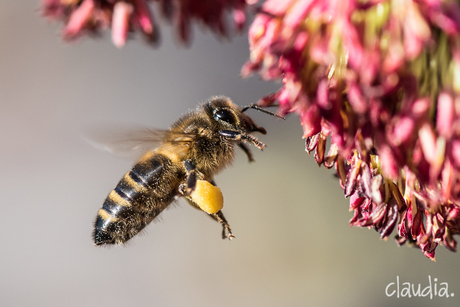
pixel 208 197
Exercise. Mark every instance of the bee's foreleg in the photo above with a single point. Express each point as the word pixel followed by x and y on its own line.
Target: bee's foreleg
pixel 247 151
pixel 239 136
pixel 190 182
pixel 226 230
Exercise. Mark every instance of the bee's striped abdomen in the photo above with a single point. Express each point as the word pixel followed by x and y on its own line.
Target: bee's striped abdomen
pixel 136 200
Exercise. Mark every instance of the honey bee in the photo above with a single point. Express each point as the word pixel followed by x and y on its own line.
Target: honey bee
pixel 195 148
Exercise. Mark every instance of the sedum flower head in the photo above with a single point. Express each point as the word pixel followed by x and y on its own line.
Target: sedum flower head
pixel 82 17
pixel 376 82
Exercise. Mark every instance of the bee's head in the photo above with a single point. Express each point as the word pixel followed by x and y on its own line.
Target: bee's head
pixel 228 116
pixel 232 122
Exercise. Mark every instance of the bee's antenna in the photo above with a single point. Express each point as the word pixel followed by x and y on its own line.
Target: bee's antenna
pixel 256 107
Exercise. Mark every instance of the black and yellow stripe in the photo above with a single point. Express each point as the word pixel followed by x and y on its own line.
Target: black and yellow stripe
pixel 136 200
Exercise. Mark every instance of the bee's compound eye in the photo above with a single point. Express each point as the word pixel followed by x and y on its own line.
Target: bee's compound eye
pixel 224 115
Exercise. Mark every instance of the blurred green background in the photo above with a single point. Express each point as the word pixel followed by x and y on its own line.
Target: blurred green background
pixel 293 246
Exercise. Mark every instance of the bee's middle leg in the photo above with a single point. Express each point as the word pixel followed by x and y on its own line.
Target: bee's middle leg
pixel 247 151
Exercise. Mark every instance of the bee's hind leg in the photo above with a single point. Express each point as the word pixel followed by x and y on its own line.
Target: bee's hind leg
pixel 219 217
pixel 226 230
pixel 185 189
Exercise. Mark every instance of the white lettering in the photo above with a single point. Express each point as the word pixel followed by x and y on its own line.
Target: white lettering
pixel 435 287
pixel 418 290
pixel 427 289
pixel 405 290
pixel 430 290
pixel 386 289
pixel 443 291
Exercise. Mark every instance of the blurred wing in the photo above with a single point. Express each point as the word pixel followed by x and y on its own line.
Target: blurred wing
pixel 133 142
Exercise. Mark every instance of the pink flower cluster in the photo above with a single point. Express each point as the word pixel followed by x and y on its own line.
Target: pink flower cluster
pixel 376 82
pixel 82 17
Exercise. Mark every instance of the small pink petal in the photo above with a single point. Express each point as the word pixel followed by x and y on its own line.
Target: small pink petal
pixel 448 19
pixel 356 201
pixel 322 95
pixel 389 166
pixel 356 99
pixel 144 16
pixel 447 179
pixel 454 214
pixel 428 248
pixel 416 31
pixel 402 231
pixel 301 41
pixel 420 107
pixel 387 156
pixel 412 44
pixel 395 57
pixel 239 17
pixel 445 115
pixel 352 42
pixel 417 224
pixel 120 23
pixel 276 7
pixel 455 153
pixel 428 142
pixel 297 13
pixel 417 23
pixel 268 100
pixel 258 27
pixel 402 130
pixel 311 121
pixel 319 51
pixel 248 68
pixel 79 18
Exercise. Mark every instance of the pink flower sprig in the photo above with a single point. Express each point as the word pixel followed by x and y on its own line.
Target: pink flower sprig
pixel 82 17
pixel 378 82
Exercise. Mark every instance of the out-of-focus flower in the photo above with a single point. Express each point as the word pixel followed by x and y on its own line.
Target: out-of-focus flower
pixel 377 81
pixel 83 17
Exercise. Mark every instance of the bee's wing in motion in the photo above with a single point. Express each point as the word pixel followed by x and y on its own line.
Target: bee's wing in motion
pixel 132 142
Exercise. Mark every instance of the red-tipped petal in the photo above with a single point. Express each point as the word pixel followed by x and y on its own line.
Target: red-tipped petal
pixel 120 23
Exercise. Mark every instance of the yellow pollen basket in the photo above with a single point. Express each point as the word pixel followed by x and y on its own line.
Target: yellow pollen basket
pixel 208 197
